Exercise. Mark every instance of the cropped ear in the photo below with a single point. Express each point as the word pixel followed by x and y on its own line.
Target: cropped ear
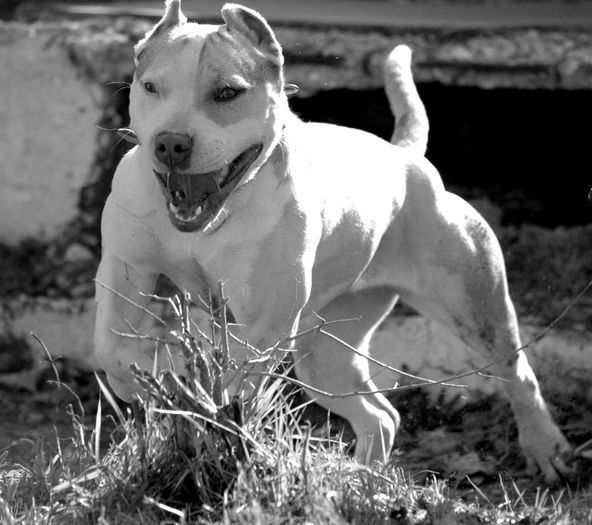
pixel 173 17
pixel 253 26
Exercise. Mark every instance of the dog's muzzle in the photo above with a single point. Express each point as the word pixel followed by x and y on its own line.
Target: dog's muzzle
pixel 194 198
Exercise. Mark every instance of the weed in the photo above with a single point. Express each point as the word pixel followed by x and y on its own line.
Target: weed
pixel 186 453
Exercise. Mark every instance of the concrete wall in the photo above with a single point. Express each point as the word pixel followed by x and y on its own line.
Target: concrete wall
pixel 47 134
pixel 425 348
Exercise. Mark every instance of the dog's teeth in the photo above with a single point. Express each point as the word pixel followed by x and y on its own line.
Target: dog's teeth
pixel 196 213
pixel 177 212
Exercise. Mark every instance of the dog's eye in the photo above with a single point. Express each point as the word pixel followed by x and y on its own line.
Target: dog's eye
pixel 227 93
pixel 150 87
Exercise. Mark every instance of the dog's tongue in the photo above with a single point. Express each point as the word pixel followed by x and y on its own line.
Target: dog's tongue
pixel 191 189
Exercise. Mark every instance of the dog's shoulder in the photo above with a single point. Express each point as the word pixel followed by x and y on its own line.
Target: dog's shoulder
pixel 130 214
pixel 133 187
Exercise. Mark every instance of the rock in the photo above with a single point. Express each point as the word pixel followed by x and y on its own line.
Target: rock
pixel 65 327
pixel 77 253
pixel 426 349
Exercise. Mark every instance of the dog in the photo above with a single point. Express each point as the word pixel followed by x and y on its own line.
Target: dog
pixel 300 221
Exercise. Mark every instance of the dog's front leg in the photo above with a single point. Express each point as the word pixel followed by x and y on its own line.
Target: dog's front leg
pixel 121 303
pixel 268 307
pixel 267 326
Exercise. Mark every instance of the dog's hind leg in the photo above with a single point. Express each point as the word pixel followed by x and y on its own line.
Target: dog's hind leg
pixel 326 364
pixel 411 120
pixel 462 283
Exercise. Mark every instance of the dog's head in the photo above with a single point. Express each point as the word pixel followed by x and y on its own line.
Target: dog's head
pixel 206 104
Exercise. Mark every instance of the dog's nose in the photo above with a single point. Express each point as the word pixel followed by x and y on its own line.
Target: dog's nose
pixel 173 149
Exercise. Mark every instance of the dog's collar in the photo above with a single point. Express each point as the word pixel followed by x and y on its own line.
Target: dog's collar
pixel 220 218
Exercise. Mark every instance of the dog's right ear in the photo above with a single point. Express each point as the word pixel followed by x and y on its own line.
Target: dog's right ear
pixel 173 17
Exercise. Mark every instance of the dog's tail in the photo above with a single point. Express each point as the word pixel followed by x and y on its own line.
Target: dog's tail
pixel 411 120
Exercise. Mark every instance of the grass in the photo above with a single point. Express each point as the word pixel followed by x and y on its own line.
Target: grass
pixel 562 264
pixel 183 453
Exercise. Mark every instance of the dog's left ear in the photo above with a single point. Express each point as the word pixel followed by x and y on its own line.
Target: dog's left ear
pixel 251 24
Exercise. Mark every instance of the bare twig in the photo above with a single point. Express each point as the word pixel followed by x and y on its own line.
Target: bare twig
pixel 225 354
pixel 182 310
pixel 132 302
pixel 314 329
pixel 551 325
pixel 583 450
pixel 344 395
pixel 49 358
pixel 201 333
pixel 203 304
pixel 526 346
pixel 58 381
pixel 384 365
pixel 142 337
pixel 154 296
pixel 423 381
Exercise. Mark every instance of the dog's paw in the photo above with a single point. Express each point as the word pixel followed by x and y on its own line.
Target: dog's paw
pixel 547 450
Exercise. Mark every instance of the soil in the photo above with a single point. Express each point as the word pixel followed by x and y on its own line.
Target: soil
pixel 44 416
pixel 475 447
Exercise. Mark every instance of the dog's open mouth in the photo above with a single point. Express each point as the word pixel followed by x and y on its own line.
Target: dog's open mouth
pixel 193 198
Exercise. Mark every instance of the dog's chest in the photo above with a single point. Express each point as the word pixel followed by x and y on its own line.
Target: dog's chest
pixel 231 254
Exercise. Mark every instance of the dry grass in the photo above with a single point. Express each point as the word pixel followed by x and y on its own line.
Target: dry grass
pixel 185 454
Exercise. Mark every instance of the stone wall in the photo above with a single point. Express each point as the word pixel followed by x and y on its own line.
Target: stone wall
pixel 48 114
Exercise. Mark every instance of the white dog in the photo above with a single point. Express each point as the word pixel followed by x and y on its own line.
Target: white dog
pixel 297 219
